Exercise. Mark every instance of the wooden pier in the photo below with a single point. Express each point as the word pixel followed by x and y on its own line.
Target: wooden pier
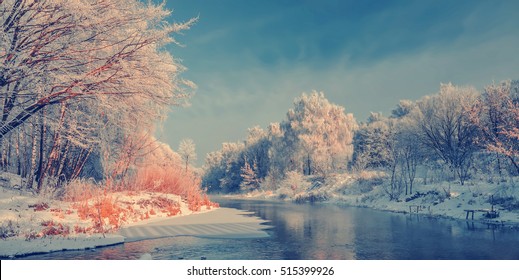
pixel 489 213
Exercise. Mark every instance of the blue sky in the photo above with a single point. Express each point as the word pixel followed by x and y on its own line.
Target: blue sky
pixel 250 59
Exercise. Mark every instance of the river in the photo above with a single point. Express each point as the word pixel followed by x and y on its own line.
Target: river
pixel 325 231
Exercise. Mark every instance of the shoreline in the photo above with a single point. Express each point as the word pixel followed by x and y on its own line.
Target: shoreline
pixel 44 245
pixel 219 223
pixel 33 224
pixel 243 226
pixel 384 208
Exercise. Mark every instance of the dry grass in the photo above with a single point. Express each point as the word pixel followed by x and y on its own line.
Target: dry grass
pixel 81 190
pixel 99 204
pixel 173 180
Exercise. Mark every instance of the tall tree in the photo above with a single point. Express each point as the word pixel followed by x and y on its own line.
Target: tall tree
pixel 249 175
pixel 371 142
pixel 56 51
pixel 98 68
pixel 446 129
pixel 496 114
pixel 322 132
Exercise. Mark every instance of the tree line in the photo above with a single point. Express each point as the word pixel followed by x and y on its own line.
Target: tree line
pixel 458 133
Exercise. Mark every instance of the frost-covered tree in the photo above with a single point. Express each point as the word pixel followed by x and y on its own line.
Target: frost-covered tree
pixel 57 51
pixel 445 127
pixel 408 151
pixel 82 78
pixel 223 168
pixel 187 151
pixel 372 143
pixel 403 108
pixel 496 114
pixel 316 138
pixel 214 171
pixel 250 178
pixel 257 146
pixel 321 132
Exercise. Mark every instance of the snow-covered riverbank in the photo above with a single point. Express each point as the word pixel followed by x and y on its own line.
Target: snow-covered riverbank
pixel 35 224
pixel 444 199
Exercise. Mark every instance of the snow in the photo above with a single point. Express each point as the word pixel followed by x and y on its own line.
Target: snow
pixel 22 224
pixel 367 191
pixel 26 218
pixel 19 247
pixel 220 223
pixel 449 200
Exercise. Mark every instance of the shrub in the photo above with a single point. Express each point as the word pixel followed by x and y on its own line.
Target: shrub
pixel 173 180
pixel 55 229
pixel 369 179
pixel 311 197
pixel 293 184
pixel 41 206
pixel 8 229
pixel 506 197
pixel 80 190
pixel 506 202
pixel 103 210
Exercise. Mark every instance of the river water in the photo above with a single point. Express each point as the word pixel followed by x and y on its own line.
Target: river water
pixel 324 231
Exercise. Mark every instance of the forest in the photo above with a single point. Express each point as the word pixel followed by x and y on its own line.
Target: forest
pixel 84 86
pixel 458 135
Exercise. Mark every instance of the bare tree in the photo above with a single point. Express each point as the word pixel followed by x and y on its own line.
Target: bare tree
pixel 446 129
pixel 496 114
pixel 411 151
pixel 187 151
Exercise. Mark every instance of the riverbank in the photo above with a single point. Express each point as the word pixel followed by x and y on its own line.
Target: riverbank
pixel 32 224
pixel 440 199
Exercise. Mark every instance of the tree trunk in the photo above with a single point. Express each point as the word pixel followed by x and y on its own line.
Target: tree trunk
pixel 308 162
pixel 32 168
pixel 514 163
pixel 78 166
pixel 3 156
pixel 18 155
pixel 63 157
pixel 53 154
pixel 42 145
pixel 20 119
pixel 499 166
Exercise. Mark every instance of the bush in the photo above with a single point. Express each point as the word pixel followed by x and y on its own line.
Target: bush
pixel 508 203
pixel 311 197
pixel 41 206
pixel 371 178
pixel 80 190
pixel 293 184
pixel 51 228
pixel 8 229
pixel 506 197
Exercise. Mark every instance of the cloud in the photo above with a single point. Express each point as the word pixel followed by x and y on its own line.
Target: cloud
pixel 249 67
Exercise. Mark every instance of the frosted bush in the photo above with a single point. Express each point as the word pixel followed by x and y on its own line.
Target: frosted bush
pixel 293 184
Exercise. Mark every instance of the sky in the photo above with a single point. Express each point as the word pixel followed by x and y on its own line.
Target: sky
pixel 251 59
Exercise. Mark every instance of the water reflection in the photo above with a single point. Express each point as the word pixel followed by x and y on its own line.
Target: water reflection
pixel 328 232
